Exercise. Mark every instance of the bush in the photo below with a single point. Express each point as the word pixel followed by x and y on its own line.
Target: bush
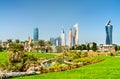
pixel 55 64
pixel 113 54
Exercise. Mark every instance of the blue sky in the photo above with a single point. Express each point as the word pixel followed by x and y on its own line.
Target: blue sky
pixel 19 17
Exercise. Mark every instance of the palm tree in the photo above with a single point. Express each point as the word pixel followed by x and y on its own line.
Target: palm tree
pixel 17 41
pixel 9 42
pixel 41 43
pixel 16 52
pixel 48 46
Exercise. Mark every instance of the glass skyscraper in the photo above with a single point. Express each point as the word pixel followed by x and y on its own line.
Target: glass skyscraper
pixel 35 34
pixel 63 40
pixel 108 29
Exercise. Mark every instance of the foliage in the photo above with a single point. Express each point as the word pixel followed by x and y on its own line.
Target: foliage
pixel 55 64
pixel 42 55
pixel 1 48
pixel 3 57
pixel 71 55
pixel 29 58
pixel 108 69
pixel 59 49
pixel 94 47
pixel 16 53
pixel 88 47
pixel 79 47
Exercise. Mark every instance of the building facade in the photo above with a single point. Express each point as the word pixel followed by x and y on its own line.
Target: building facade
pixel 35 34
pixel 63 39
pixel 108 29
pixel 53 41
pixel 70 38
pixel 76 34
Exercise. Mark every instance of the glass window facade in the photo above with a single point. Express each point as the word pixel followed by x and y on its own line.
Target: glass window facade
pixel 108 29
pixel 35 34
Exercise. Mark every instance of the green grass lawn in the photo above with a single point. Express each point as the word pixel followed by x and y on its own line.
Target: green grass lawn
pixel 42 55
pixel 3 57
pixel 107 69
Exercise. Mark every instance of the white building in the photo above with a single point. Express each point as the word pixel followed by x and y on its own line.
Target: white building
pixel 63 40
pixel 70 38
pixel 76 34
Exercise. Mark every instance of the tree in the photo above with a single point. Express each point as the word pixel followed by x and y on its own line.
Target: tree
pixel 94 47
pixel 16 52
pixel 39 46
pixel 116 47
pixel 72 48
pixel 84 47
pixel 9 42
pixel 17 41
pixel 1 48
pixel 79 47
pixel 48 46
pixel 59 49
pixel 88 47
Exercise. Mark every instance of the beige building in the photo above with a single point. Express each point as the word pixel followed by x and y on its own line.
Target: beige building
pixel 70 37
pixel 76 34
pixel 106 48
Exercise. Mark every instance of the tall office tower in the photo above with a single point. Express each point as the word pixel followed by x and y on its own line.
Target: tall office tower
pixel 35 34
pixel 63 40
pixel 73 37
pixel 58 41
pixel 108 29
pixel 76 34
pixel 70 38
pixel 53 41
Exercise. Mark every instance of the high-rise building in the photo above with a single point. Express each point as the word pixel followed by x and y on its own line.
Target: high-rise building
pixel 108 29
pixel 76 34
pixel 58 41
pixel 53 41
pixel 70 37
pixel 73 37
pixel 63 40
pixel 35 34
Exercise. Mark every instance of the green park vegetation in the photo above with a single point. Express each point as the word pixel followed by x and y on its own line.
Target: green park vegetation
pixel 42 55
pixel 7 63
pixel 107 69
pixel 72 64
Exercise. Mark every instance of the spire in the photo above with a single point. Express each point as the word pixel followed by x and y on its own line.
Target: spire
pixel 108 23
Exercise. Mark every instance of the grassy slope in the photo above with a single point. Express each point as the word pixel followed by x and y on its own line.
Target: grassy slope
pixel 108 69
pixel 3 57
pixel 43 55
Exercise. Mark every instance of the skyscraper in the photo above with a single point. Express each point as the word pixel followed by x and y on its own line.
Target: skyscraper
pixel 63 40
pixel 58 41
pixel 73 37
pixel 76 34
pixel 70 37
pixel 108 29
pixel 35 34
pixel 53 41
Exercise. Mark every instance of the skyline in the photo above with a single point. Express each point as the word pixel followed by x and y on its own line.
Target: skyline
pixel 19 17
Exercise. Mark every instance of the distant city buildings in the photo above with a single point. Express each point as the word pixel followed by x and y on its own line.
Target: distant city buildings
pixel 63 39
pixel 73 36
pixel 76 34
pixel 35 34
pixel 70 37
pixel 55 41
pixel 108 29
pixel 58 41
